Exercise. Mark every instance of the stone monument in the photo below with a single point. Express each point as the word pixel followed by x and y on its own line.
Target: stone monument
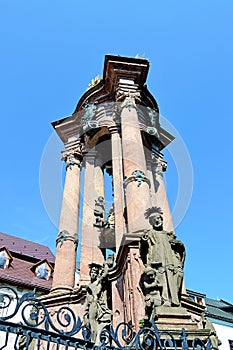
pixel 115 132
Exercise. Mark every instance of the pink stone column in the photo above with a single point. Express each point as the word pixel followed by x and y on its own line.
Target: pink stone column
pixel 136 192
pixel 161 195
pixel 150 176
pixel 90 251
pixel 117 175
pixel 67 239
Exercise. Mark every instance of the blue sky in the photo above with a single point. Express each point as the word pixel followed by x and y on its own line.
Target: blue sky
pixel 50 51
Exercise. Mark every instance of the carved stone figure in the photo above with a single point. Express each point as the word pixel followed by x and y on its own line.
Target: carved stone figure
pixel 99 211
pixel 97 313
pixel 159 249
pixel 111 218
pixel 88 118
pixel 153 291
pixel 179 257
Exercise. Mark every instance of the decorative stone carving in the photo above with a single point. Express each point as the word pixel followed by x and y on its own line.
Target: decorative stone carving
pixel 152 131
pixel 97 314
pixel 128 98
pixel 88 117
pixel 138 176
pixel 153 290
pixel 73 157
pixel 160 165
pixel 107 235
pixel 99 211
pixel 111 218
pixel 116 113
pixel 153 115
pixel 165 254
pixel 64 236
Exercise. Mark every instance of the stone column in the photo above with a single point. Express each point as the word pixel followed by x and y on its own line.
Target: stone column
pixel 150 176
pixel 117 175
pixel 136 182
pixel 67 239
pixel 90 251
pixel 160 166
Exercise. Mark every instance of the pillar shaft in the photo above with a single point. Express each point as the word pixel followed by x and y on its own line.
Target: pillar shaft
pixel 67 240
pixel 117 175
pixel 93 188
pixel 159 166
pixel 136 186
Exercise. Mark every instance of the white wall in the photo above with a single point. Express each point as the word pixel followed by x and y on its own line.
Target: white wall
pixel 224 333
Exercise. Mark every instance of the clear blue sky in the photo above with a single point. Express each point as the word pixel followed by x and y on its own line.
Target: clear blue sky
pixel 50 51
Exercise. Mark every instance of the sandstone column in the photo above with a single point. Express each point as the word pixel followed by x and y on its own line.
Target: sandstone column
pixel 67 239
pixel 161 200
pixel 117 175
pixel 134 163
pixel 90 235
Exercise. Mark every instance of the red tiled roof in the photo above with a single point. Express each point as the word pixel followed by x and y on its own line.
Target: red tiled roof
pixel 20 274
pixel 24 247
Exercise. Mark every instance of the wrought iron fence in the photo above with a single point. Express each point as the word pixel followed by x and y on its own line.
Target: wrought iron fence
pixel 26 324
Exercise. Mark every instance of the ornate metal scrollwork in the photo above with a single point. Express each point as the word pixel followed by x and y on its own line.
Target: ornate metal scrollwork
pixel 63 327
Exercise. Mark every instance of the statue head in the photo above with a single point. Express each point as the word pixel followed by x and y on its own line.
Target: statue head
pixel 155 216
pixel 94 271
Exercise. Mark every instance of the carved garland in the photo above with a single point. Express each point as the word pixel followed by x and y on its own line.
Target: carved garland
pixel 138 176
pixel 65 236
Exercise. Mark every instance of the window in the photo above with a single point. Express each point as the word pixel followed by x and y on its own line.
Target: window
pixel 43 271
pixel 5 258
pixel 231 344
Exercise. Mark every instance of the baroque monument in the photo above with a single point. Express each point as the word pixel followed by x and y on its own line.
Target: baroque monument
pixel 131 262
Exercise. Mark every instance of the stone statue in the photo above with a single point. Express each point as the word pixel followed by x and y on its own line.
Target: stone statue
pixel 179 257
pixel 111 218
pixel 99 211
pixel 153 291
pixel 97 313
pixel 161 251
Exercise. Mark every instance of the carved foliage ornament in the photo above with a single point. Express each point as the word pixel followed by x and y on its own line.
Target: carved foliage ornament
pixel 138 176
pixel 128 98
pixel 64 235
pixel 72 157
pixel 88 116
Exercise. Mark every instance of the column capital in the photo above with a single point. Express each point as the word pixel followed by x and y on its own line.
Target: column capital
pixel 72 157
pixel 137 176
pixel 128 98
pixel 66 236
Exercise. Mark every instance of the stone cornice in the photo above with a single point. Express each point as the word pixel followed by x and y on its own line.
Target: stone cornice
pixel 121 76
